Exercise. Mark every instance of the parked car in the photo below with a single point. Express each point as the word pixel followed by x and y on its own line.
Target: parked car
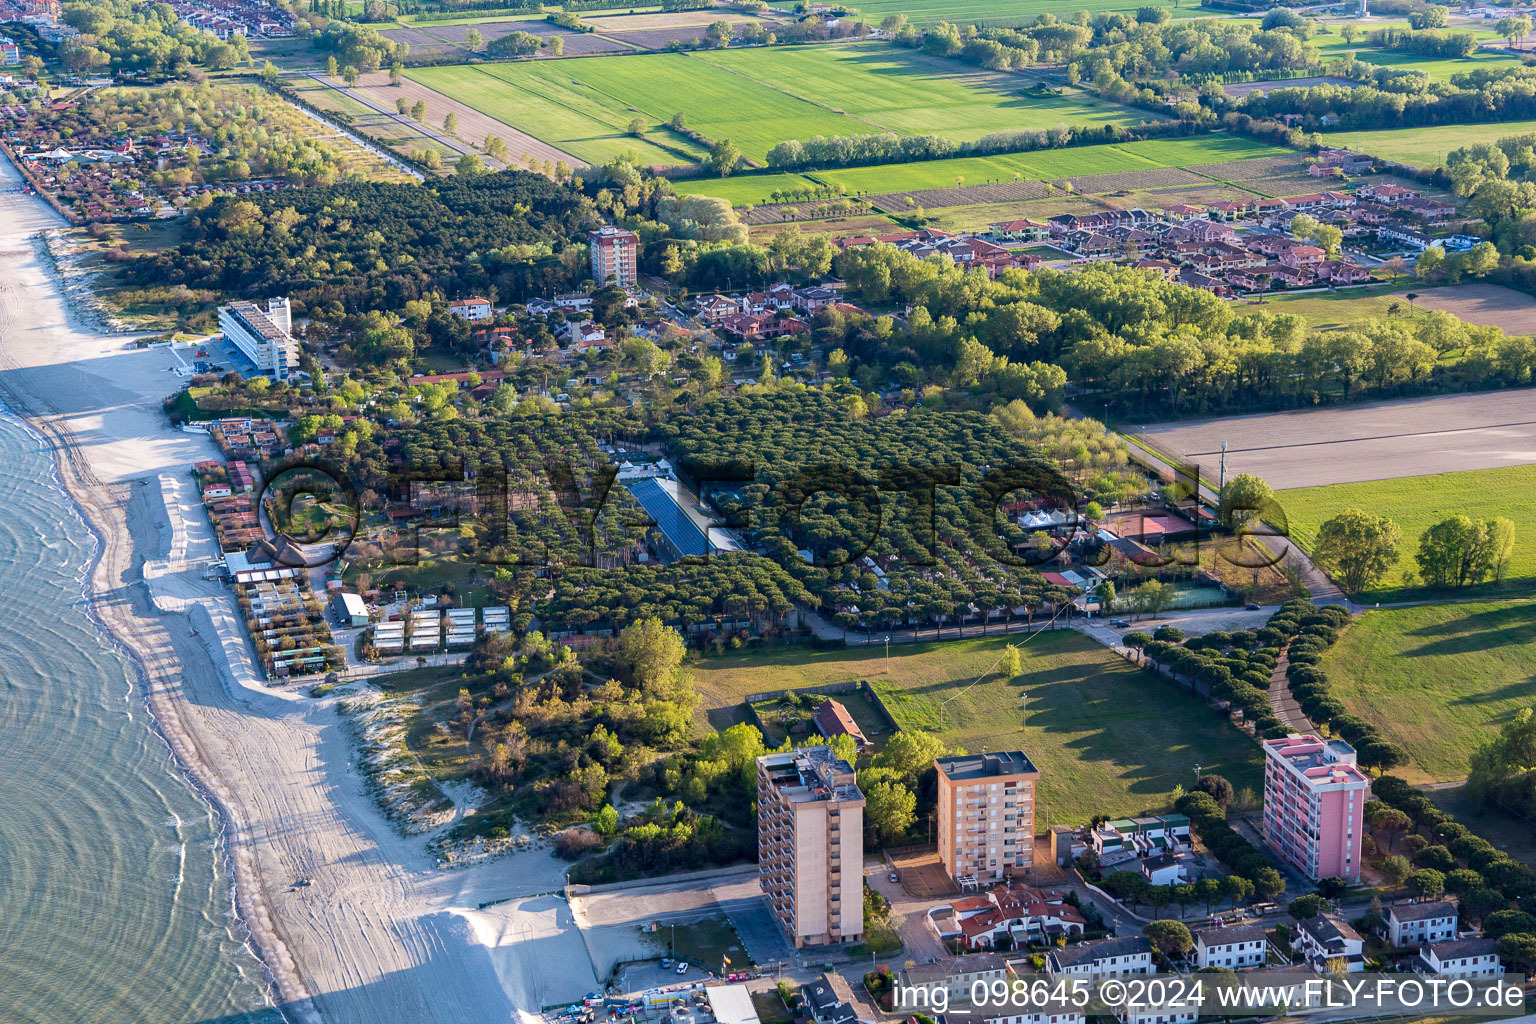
pixel 1254 606
pixel 1119 624
pixel 894 878
pixel 682 968
pixel 666 963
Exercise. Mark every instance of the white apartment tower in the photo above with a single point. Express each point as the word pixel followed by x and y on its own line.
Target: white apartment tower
pixel 810 845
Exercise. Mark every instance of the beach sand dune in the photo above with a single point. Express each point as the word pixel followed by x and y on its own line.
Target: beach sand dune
pixel 381 934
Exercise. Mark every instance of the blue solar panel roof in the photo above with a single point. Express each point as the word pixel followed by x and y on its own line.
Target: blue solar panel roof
pixel 683 533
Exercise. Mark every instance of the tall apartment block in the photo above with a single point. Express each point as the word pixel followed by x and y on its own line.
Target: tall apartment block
pixel 810 845
pixel 1314 805
pixel 986 815
pixel 263 335
pixel 613 256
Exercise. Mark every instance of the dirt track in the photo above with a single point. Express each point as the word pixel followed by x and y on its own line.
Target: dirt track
pixel 474 126
pixel 1378 441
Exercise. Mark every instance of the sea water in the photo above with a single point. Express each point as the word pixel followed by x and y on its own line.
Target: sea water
pixel 115 904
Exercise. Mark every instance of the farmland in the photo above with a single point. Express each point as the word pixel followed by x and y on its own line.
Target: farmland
pixel 756 97
pixel 1379 441
pixel 1438 679
pixel 1418 502
pixel 910 93
pixel 996 12
pixel 1332 47
pixel 1425 147
pixel 1087 714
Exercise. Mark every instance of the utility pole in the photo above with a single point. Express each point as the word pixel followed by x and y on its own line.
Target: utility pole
pixel 1223 482
pixel 1197 774
pixel 887 654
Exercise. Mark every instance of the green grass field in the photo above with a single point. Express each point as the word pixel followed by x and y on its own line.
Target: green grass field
pixel 1425 147
pixel 1109 738
pixel 1333 46
pixel 1042 165
pixel 744 190
pixel 997 12
pixel 908 92
pixel 1335 310
pixel 1418 502
pixel 757 97
pixel 1438 679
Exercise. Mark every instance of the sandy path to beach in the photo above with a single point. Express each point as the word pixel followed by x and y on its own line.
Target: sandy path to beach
pixel 381 934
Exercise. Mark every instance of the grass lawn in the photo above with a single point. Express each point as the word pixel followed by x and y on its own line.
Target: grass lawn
pixel 1438 679
pixel 1334 310
pixel 758 97
pixel 1333 46
pixel 1425 147
pixel 1048 164
pixel 1418 502
pixel 561 102
pixel 997 12
pixel 742 190
pixel 911 93
pixel 1108 737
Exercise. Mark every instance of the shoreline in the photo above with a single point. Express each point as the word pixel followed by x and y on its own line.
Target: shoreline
pixel 382 933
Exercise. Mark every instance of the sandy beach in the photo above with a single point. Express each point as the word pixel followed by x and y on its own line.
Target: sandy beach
pixel 382 933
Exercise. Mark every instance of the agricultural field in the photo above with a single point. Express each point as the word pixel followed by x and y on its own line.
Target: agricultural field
pixel 1051 164
pixel 756 97
pixel 1438 679
pixel 742 190
pixel 997 12
pixel 1425 147
pixel 910 93
pixel 1418 502
pixel 1334 46
pixel 1086 723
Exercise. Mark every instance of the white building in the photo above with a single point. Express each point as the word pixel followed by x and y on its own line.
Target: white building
pixel 1413 924
pixel 264 336
pixel 1237 946
pixel 1103 958
pixel 1471 958
pixel 1324 938
pixel 476 307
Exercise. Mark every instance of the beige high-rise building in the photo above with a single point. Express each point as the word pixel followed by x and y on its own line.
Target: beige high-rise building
pixel 810 845
pixel 613 252
pixel 986 815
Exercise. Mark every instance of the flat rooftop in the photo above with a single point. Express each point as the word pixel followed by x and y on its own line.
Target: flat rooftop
pixel 984 766
pixel 811 773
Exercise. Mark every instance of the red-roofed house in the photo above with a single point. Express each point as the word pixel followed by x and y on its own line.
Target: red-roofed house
pixel 1020 913
pixel 832 719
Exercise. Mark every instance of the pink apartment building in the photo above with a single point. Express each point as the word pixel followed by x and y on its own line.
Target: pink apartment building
pixel 1314 805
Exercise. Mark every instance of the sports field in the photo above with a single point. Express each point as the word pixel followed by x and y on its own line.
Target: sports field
pixel 1425 147
pixel 757 97
pixel 1108 737
pixel 1418 502
pixel 1438 679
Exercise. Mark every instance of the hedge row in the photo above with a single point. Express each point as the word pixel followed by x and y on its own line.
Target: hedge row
pixel 1505 875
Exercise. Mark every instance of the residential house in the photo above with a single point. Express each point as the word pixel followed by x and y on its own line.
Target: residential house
pixel 1402 233
pixel 1342 272
pixel 809 300
pixel 957 974
pixel 1386 193
pixel 714 308
pixel 475 307
pixel 1298 256
pixel 1408 925
pixel 1325 938
pixel 1103 958
pixel 1183 211
pixel 1019 231
pixel 825 1004
pixel 1020 914
pixel 832 719
pixel 1463 958
pixel 1236 946
pixel 1162 869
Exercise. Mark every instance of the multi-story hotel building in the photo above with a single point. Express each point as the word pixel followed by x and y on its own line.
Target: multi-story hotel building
pixel 1314 805
pixel 986 815
pixel 613 256
pixel 810 845
pixel 264 336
